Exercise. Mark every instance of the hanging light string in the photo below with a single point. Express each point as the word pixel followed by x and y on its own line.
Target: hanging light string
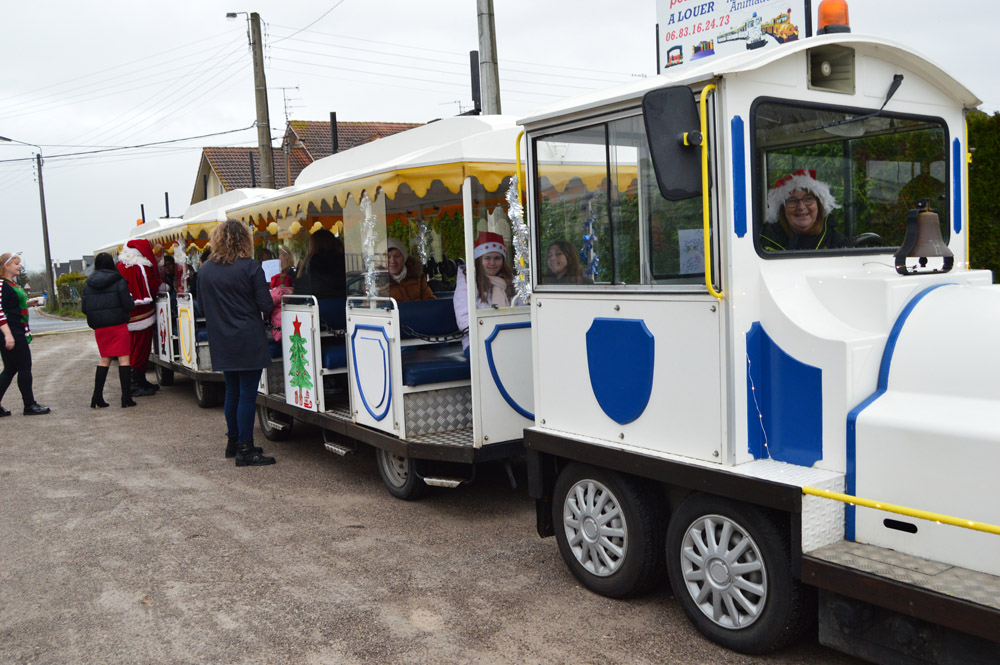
pixel 760 414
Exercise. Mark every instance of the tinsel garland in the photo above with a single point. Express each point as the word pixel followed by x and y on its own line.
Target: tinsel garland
pixel 368 244
pixel 588 250
pixel 422 240
pixel 519 231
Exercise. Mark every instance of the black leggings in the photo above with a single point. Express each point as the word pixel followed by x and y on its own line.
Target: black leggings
pixel 17 361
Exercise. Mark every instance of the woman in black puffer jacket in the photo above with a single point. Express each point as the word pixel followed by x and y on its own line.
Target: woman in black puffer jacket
pixel 107 302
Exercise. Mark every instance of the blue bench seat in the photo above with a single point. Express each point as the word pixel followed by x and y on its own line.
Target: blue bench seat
pixel 436 363
pixel 334 355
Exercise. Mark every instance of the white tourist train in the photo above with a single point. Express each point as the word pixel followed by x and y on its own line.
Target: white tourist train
pixel 778 340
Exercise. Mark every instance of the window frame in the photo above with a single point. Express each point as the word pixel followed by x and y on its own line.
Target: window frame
pixel 645 255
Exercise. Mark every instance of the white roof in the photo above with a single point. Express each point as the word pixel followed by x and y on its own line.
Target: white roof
pixel 215 208
pixel 713 68
pixel 448 150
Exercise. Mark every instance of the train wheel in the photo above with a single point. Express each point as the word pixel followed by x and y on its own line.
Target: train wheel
pixel 399 476
pixel 164 376
pixel 609 530
pixel 275 426
pixel 730 569
pixel 207 393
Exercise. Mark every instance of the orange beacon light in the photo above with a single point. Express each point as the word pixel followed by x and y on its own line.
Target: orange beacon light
pixel 833 17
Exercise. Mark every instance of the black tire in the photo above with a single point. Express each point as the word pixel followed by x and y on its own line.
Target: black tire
pixel 208 393
pixel 266 416
pixel 164 376
pixel 613 566
pixel 399 476
pixel 761 608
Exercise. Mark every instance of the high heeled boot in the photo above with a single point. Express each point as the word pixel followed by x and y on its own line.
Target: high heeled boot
pixel 98 397
pixel 125 377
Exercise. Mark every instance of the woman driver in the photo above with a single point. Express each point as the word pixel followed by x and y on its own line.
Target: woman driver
pixel 797 206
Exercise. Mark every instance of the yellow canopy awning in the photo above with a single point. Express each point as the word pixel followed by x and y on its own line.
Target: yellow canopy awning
pixel 419 179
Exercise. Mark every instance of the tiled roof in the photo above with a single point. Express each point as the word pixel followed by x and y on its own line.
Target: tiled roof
pixel 315 135
pixel 232 166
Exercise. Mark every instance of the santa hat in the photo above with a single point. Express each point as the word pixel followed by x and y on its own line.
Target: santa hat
pixel 144 248
pixel 393 243
pixel 489 242
pixel 801 179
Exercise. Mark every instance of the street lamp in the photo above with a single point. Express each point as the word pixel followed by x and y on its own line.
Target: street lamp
pixel 49 276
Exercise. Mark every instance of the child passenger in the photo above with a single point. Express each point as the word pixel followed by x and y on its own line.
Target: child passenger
pixel 281 285
pixel 494 281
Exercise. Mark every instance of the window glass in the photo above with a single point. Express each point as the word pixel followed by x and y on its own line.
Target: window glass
pixel 602 219
pixel 573 221
pixel 826 182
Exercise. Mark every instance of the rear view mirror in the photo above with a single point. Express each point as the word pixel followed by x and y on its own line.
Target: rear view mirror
pixel 672 131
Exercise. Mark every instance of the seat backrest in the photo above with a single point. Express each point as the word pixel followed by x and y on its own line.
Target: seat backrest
pixel 333 313
pixel 428 317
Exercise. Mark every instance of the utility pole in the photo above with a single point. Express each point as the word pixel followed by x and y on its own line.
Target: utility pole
pixel 263 118
pixel 49 273
pixel 488 69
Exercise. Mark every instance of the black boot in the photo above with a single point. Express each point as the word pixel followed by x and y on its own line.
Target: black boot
pixel 98 398
pixel 138 390
pixel 249 455
pixel 231 447
pixel 125 377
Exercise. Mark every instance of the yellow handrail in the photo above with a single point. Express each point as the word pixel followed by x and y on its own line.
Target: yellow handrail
pixel 902 510
pixel 520 170
pixel 706 216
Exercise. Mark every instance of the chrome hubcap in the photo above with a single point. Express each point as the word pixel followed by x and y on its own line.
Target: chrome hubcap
pixel 724 571
pixel 595 527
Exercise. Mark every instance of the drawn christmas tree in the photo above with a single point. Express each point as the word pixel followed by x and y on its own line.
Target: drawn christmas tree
pixel 297 361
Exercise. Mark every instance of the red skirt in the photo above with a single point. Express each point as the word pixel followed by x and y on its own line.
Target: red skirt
pixel 112 341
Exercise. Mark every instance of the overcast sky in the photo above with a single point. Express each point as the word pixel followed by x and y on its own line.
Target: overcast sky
pixel 83 76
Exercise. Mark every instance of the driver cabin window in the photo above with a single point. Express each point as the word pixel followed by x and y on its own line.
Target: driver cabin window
pixel 830 181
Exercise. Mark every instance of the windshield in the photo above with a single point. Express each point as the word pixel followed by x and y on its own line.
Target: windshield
pixel 824 187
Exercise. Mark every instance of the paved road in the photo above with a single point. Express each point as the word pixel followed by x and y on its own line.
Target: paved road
pixel 44 323
pixel 127 538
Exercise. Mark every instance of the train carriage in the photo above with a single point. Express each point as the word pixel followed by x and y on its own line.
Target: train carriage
pixel 366 368
pixel 739 408
pixel 180 345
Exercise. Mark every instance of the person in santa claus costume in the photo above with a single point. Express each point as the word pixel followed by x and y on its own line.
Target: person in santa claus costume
pixel 137 264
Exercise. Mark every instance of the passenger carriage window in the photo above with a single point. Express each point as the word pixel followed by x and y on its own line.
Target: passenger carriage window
pixel 602 220
pixel 826 183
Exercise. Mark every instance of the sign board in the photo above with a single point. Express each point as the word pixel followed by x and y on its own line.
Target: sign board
pixel 299 345
pixel 692 30
pixel 186 331
pixel 164 330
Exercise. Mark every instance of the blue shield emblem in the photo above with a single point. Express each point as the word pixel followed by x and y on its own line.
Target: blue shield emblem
pixel 620 354
pixel 370 351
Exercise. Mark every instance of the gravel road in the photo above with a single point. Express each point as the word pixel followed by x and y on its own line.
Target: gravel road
pixel 128 538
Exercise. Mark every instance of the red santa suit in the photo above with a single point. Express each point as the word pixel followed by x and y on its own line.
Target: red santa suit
pixel 137 265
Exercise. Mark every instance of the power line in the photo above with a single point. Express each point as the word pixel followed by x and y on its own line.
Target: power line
pixel 143 72
pixel 131 147
pixel 311 24
pixel 454 53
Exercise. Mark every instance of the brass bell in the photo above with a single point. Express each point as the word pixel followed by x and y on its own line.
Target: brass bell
pixel 922 241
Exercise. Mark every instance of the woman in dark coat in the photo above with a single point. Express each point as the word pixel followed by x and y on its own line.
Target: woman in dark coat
pixel 323 273
pixel 107 302
pixel 234 297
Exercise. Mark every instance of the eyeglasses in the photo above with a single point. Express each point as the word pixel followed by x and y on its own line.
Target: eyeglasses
pixel 793 202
